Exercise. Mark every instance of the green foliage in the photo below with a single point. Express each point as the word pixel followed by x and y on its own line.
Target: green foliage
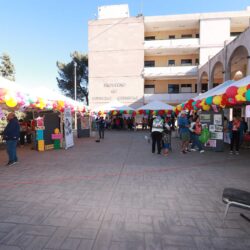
pixel 7 69
pixel 66 77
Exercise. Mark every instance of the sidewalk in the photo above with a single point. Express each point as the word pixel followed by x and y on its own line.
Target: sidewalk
pixel 117 195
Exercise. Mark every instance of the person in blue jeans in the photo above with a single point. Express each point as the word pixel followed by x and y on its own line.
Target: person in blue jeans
pixel 11 134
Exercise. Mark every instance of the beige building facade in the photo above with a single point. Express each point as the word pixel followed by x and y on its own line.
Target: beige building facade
pixel 136 60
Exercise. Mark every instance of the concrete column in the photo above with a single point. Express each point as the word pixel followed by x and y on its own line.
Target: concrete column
pixel 198 85
pixel 210 83
pixel 248 65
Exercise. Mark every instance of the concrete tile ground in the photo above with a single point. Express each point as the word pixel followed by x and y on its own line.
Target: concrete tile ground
pixel 117 195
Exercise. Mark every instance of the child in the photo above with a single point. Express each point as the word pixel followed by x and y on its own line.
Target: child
pixel 166 139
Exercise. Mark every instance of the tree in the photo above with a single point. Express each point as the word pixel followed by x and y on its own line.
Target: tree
pixel 66 77
pixel 7 69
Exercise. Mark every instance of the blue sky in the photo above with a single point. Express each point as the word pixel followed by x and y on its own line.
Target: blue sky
pixel 37 33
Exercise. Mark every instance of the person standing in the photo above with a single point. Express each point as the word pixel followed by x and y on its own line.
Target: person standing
pixel 183 124
pixel 11 134
pixel 157 129
pixel 235 135
pixel 197 129
pixel 101 127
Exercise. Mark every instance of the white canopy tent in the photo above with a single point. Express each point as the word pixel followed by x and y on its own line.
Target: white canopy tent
pixel 113 105
pixel 221 89
pixel 218 90
pixel 156 105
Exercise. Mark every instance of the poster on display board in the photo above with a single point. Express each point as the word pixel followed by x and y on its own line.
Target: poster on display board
pixel 214 122
pixel 68 131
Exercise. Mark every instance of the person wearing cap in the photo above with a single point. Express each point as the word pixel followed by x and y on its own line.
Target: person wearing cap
pixel 11 134
pixel 157 129
pixel 183 124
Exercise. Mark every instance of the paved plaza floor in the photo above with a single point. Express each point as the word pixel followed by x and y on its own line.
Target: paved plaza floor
pixel 117 195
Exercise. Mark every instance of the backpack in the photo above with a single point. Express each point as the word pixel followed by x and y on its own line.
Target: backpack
pixel 158 123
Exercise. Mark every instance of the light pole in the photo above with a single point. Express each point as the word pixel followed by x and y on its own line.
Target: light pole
pixel 75 64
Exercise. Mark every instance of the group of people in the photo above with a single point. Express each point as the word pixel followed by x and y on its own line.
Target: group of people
pixel 190 129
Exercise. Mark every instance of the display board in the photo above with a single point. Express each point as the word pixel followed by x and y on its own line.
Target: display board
pixel 83 126
pixel 51 121
pixel 214 122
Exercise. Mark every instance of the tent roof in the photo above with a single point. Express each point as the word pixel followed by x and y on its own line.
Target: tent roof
pixel 221 89
pixel 113 105
pixel 156 105
pixel 218 90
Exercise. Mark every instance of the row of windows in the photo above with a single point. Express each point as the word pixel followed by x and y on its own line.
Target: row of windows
pixel 171 62
pixel 150 38
pixel 176 88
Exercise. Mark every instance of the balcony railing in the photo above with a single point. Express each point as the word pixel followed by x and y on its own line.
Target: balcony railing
pixel 169 98
pixel 170 72
pixel 172 43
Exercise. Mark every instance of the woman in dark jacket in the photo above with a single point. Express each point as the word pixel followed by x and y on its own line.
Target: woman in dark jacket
pixel 11 134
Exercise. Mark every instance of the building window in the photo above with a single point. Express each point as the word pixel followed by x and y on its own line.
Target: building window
pixel 204 87
pixel 235 33
pixel 186 61
pixel 186 88
pixel 171 37
pixel 173 88
pixel 197 35
pixel 187 36
pixel 171 62
pixel 215 84
pixel 149 64
pixel 149 89
pixel 196 88
pixel 197 61
pixel 149 38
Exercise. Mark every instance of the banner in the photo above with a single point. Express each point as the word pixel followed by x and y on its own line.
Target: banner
pixel 68 132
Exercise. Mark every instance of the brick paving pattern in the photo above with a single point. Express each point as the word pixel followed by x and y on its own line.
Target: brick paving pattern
pixel 117 195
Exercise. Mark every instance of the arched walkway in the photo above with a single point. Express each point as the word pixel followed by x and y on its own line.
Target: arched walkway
pixel 238 63
pixel 204 82
pixel 217 74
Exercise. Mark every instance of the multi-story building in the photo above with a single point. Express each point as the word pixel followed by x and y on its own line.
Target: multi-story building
pixel 140 59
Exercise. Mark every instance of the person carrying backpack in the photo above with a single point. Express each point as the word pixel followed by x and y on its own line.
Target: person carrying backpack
pixel 157 129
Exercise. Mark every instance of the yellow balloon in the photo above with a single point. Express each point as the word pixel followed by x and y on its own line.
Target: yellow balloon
pixel 205 107
pixel 178 107
pixel 11 102
pixel 240 98
pixel 217 100
pixel 242 90
pixel 56 131
pixel 60 104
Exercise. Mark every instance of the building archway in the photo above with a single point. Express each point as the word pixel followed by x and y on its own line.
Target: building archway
pixel 238 63
pixel 217 75
pixel 204 81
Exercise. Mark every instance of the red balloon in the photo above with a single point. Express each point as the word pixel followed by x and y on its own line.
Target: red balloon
pixel 231 91
pixel 248 86
pixel 232 101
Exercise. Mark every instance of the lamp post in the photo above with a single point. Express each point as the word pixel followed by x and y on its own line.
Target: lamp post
pixel 75 64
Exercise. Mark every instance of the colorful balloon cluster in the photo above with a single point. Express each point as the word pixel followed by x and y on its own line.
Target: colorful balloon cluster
pixel 138 112
pixel 232 96
pixel 23 101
